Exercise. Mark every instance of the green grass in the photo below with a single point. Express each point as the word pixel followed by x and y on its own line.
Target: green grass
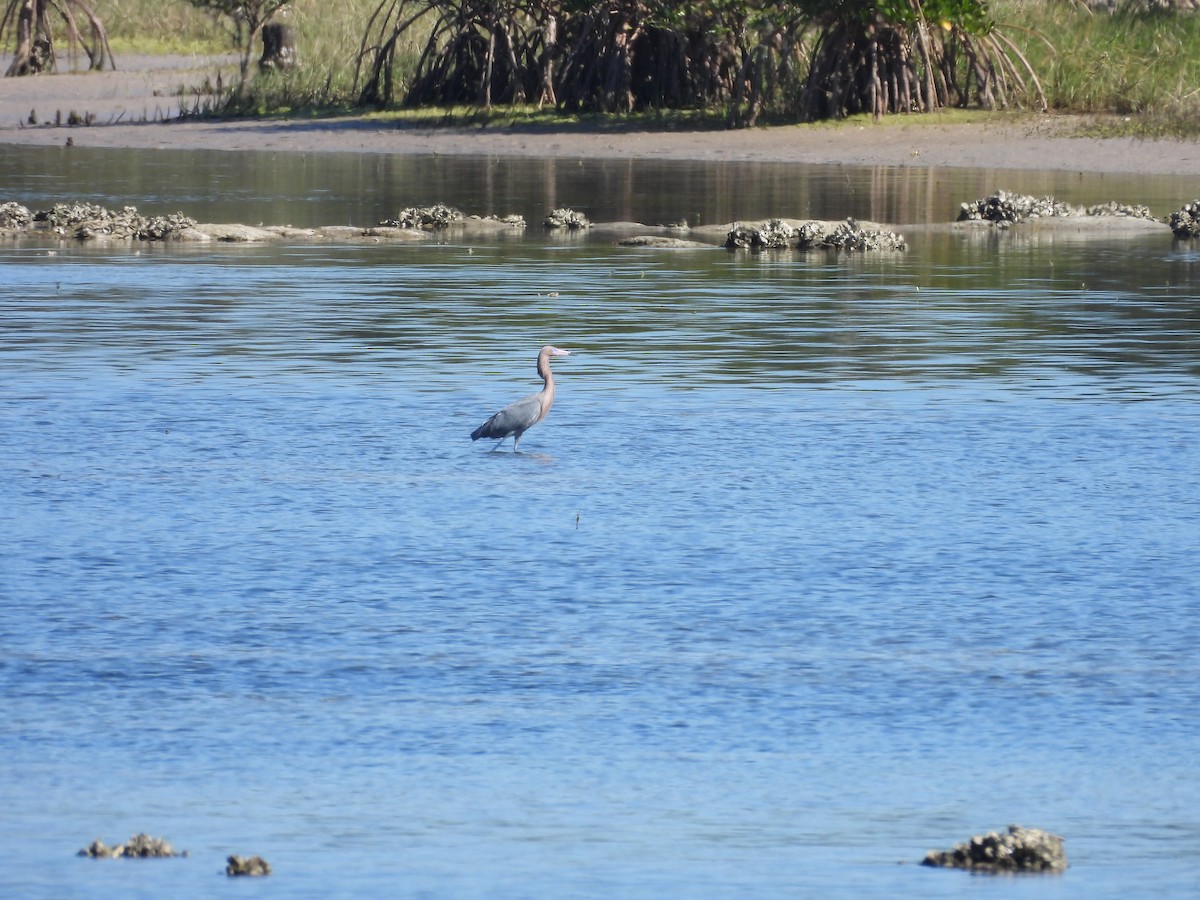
pixel 328 38
pixel 532 118
pixel 1136 73
pixel 142 27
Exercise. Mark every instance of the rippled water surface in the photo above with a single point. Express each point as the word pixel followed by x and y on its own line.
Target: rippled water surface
pixel 817 564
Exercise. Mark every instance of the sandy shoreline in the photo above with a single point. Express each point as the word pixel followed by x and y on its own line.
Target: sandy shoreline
pixel 127 108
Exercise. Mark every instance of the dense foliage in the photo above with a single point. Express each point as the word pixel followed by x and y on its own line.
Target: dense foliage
pixel 809 59
pixel 905 55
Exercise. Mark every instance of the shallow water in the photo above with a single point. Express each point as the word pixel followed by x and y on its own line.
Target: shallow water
pixel 362 189
pixel 818 563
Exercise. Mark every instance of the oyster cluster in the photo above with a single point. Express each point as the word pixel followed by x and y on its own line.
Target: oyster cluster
pixel 567 218
pixel 1019 850
pixel 1005 208
pixel 1185 223
pixel 426 218
pixel 440 217
pixel 253 866
pixel 140 846
pixel 89 220
pixel 513 220
pixel 163 228
pixel 774 234
pixel 14 215
pixel 143 846
pixel 778 234
pixel 1113 208
pixel 849 236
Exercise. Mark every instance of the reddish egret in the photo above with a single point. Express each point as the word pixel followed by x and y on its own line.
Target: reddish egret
pixel 517 418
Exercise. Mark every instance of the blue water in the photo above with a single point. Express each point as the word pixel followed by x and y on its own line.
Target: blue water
pixel 818 563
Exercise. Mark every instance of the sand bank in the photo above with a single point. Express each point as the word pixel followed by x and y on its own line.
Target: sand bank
pixel 127 109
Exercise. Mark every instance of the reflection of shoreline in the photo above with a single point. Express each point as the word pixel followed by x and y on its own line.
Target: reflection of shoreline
pixel 146 85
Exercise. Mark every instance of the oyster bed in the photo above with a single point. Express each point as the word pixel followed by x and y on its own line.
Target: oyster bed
pixel 1002 210
pixel 1017 850
pixel 1006 209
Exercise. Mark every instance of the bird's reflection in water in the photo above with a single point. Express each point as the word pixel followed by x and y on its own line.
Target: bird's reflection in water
pixel 533 456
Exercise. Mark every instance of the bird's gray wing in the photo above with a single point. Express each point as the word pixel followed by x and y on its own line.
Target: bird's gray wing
pixel 513 418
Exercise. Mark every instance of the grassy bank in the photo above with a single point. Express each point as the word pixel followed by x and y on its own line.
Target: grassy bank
pixel 142 27
pixel 1135 72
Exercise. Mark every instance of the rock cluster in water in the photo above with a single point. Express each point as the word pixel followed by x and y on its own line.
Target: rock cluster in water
pixel 567 218
pixel 433 217
pixel 253 866
pixel 439 217
pixel 1018 850
pixel 85 221
pixel 88 220
pixel 14 216
pixel 1185 223
pixel 140 846
pixel 1126 210
pixel 1005 208
pixel 779 234
pixel 143 846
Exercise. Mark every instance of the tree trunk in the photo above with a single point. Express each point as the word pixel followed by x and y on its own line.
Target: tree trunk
pixel 34 51
pixel 549 54
pixel 34 48
pixel 279 47
pixel 486 98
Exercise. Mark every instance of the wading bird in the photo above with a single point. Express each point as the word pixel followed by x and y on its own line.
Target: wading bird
pixel 519 417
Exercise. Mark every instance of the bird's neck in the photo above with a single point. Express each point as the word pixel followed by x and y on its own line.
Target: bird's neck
pixel 547 383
